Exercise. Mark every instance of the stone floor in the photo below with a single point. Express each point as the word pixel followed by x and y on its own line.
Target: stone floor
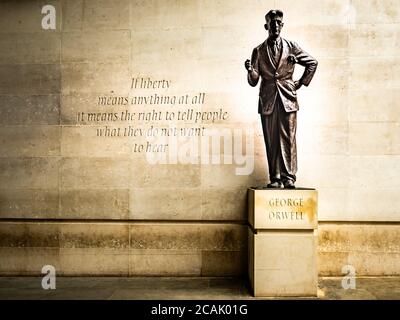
pixel 161 288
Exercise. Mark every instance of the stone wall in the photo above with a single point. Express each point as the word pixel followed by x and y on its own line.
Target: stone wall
pixel 123 248
pixel 94 205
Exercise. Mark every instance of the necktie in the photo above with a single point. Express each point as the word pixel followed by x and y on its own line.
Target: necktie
pixel 275 48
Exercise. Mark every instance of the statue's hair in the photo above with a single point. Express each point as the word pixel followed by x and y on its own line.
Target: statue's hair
pixel 273 13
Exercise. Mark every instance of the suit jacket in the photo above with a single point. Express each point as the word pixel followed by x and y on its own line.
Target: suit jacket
pixel 276 80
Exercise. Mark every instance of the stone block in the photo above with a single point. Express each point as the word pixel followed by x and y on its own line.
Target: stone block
pixel 324 78
pixel 29 173
pixel 188 236
pixel 30 141
pixel 29 235
pixel 282 209
pixel 324 171
pixel 164 14
pixel 333 204
pixel 23 79
pixel 371 248
pixel 83 141
pixel 284 263
pixel 163 236
pixel 94 77
pixel 166 176
pixel 371 110
pixel 374 138
pixel 366 40
pixel 26 16
pixel 282 242
pixel 78 173
pixel 363 75
pixel 329 138
pixel 40 48
pixel 164 263
pixel 211 69
pixel 72 15
pixel 322 13
pixel 377 12
pixel 321 41
pixel 171 204
pixel 29 204
pixel 94 203
pixel 170 44
pixel 96 46
pixel 364 171
pixel 234 200
pixel 220 42
pixel 107 236
pixel 372 204
pixel 95 15
pixel 27 261
pixel 367 237
pixel 226 13
pixel 94 262
pixel 223 263
pixel 105 14
pixel 225 175
pixel 30 109
pixel 223 237
pixel 335 106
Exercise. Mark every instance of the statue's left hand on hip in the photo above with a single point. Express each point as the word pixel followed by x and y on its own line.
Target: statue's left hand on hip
pixel 297 85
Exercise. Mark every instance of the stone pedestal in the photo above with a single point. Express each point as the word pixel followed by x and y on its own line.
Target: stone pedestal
pixel 282 242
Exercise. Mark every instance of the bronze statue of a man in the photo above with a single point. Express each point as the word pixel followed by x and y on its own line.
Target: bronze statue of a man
pixel 274 61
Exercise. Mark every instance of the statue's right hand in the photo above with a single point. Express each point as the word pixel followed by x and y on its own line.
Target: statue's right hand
pixel 247 65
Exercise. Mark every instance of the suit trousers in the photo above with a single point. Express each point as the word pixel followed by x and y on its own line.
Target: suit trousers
pixel 279 129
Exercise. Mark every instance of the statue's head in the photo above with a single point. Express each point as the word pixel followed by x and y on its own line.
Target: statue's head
pixel 274 22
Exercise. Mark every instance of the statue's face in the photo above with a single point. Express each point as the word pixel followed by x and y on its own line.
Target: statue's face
pixel 274 27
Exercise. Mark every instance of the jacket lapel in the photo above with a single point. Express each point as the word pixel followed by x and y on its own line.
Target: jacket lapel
pixel 267 53
pixel 284 53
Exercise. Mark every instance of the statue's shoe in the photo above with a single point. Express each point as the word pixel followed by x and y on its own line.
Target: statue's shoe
pixel 276 185
pixel 289 184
